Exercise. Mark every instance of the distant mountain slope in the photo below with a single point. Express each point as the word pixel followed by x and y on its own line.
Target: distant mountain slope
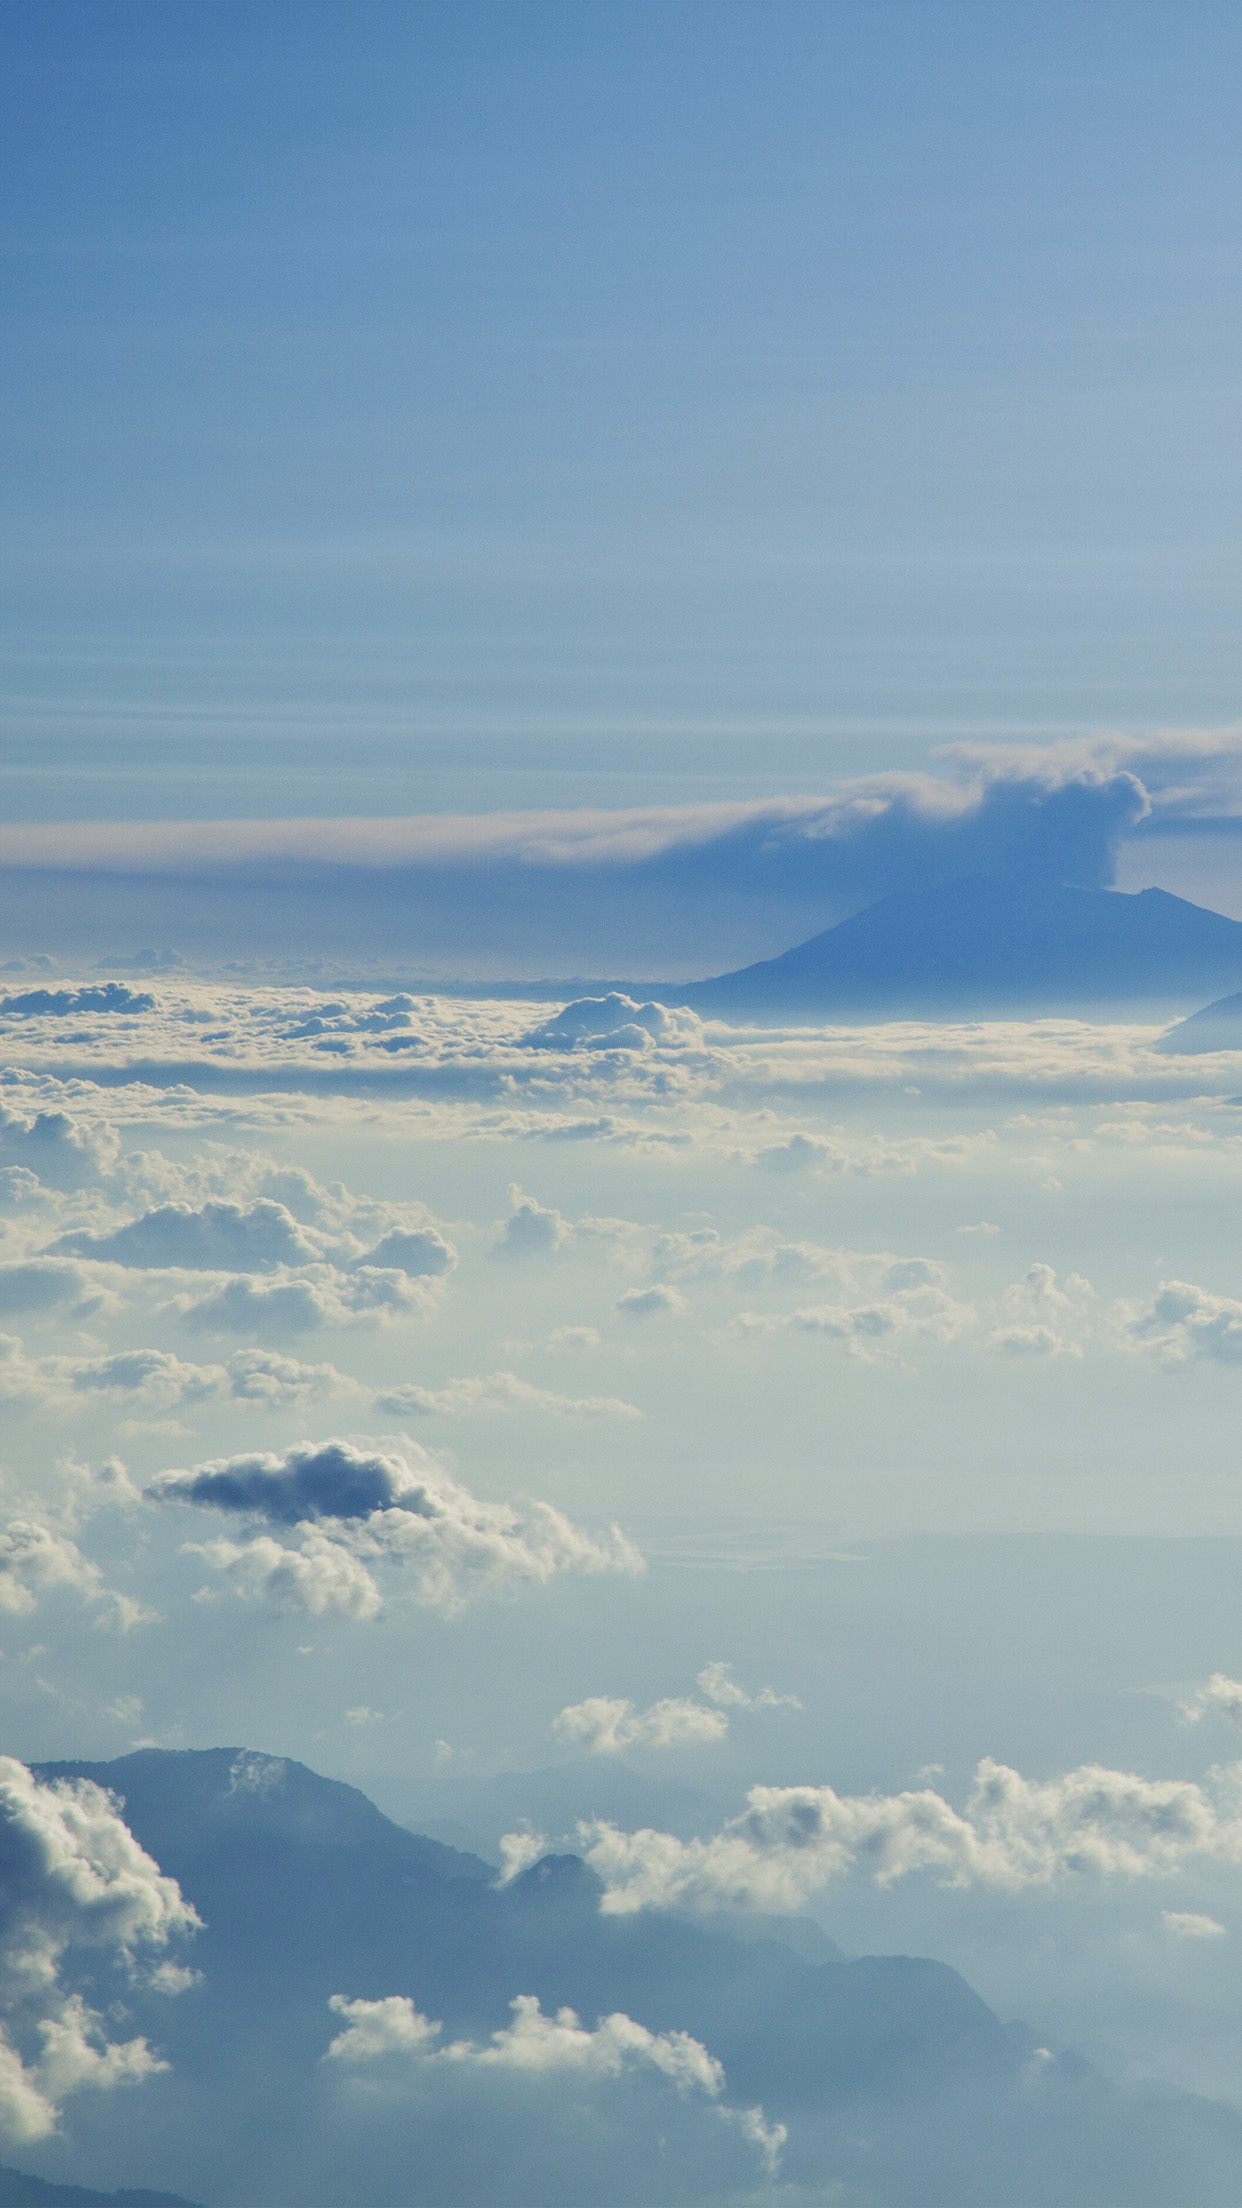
pixel 900 2087
pixel 1217 1027
pixel 977 945
pixel 17 2191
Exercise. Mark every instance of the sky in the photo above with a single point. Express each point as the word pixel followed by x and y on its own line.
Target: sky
pixel 511 491
pixel 556 405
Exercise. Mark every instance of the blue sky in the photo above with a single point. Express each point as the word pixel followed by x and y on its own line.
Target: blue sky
pixel 431 409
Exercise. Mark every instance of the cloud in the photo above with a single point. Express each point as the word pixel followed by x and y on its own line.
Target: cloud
pixel 1217 1697
pixel 45 1284
pixel 419 1251
pixel 72 1876
pixel 61 1153
pixel 36 1559
pixel 1186 1924
pixel 720 1687
pixel 723 881
pixel 349 1507
pixel 498 1391
pixel 106 996
pixel 1014 1833
pixel 531 1230
pixel 577 1338
pixel 317 1296
pixel 318 1575
pixel 536 2046
pixel 1186 1323
pixel 1042 1316
pixel 647 1303
pixel 614 1022
pixel 604 1726
pixel 214 1237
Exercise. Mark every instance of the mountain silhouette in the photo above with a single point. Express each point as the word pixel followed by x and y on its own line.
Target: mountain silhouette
pixel 1217 1027
pixel 978 946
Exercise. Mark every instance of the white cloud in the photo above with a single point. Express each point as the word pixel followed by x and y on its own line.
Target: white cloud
pixel 1217 1697
pixel 157 1380
pixel 531 1229
pixel 719 1685
pixel 1013 1833
pixel 313 1573
pixel 61 1152
pixel 36 1559
pixel 71 1876
pixel 614 1022
pixel 350 1507
pixel 537 2046
pixel 604 1725
pixel 1187 1924
pixel 498 1391
pixel 33 1557
pixel 575 1338
pixel 1185 1323
pixel 1042 1316
pixel 301 1303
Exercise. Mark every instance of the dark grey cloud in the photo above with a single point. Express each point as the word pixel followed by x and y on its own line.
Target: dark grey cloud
pixel 333 1480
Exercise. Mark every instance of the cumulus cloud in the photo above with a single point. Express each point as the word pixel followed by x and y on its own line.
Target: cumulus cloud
pixel 1013 1833
pixel 531 1229
pixel 34 1557
pixel 213 1237
pixel 537 2046
pixel 614 1022
pixel 1042 1316
pixel 348 1507
pixel 303 1302
pixel 45 1284
pixel 605 1725
pixel 498 1391
pixel 419 1251
pixel 1186 1323
pixel 155 1379
pixel 61 1153
pixel 720 1686
pixel 72 1876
